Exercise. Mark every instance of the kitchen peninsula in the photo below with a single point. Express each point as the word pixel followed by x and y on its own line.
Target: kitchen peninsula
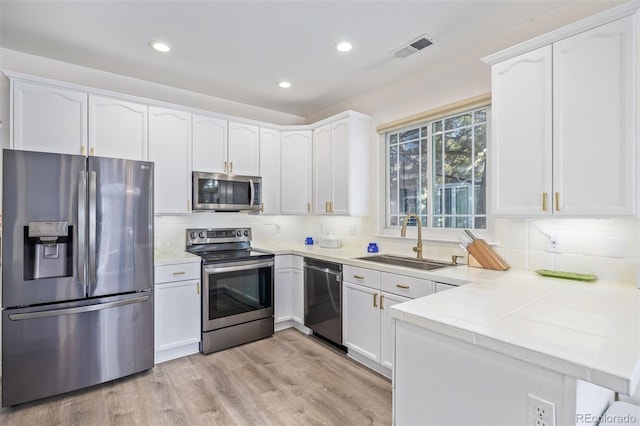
pixel 527 338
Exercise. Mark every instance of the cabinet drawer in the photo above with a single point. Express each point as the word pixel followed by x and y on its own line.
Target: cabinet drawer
pixel 405 286
pixel 283 261
pixel 362 276
pixel 177 272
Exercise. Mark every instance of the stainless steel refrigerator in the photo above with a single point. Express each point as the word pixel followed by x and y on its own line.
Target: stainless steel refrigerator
pixel 77 278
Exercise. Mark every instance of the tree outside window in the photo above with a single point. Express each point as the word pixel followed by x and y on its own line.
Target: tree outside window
pixel 438 170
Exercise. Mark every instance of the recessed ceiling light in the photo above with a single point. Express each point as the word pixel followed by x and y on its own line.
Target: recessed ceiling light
pixel 160 46
pixel 343 46
pixel 284 84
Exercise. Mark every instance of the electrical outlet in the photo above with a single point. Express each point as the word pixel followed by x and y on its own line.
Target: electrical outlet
pixel 540 412
pixel 553 244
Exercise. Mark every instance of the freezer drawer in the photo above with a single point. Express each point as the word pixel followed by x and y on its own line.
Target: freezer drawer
pixel 58 348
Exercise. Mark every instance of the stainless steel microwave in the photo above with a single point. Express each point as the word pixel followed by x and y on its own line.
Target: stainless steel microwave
pixel 227 193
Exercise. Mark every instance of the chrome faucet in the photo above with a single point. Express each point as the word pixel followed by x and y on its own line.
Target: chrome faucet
pixel 403 232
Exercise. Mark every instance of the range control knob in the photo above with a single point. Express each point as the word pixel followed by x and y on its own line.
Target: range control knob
pixel 246 233
pixel 202 234
pixel 239 233
pixel 193 235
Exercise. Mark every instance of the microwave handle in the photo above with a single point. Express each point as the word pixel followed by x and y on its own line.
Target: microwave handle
pixel 252 189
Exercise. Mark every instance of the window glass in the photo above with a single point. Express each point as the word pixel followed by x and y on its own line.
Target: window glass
pixel 438 170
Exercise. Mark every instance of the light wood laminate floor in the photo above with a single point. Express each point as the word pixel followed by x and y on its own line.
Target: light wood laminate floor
pixel 288 379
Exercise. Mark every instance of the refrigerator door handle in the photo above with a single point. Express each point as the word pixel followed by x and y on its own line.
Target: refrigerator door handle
pixel 92 227
pixel 78 310
pixel 82 229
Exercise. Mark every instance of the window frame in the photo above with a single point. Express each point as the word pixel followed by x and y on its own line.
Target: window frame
pixel 430 233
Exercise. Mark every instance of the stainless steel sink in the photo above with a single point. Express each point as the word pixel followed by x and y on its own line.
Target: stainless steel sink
pixel 408 262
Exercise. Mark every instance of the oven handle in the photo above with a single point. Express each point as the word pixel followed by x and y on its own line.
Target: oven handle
pixel 244 267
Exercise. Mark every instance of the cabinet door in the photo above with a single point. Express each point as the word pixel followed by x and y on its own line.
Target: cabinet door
pixel 209 144
pixel 169 148
pixel 118 129
pixel 176 314
pixel 387 334
pixel 283 292
pixel 522 129
pixel 244 149
pixel 297 295
pixel 270 170
pixel 49 119
pixel 340 167
pixel 593 142
pixel 295 172
pixel 322 170
pixel 361 320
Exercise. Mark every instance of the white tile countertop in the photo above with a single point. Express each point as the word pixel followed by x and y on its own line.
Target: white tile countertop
pixel 589 331
pixel 172 256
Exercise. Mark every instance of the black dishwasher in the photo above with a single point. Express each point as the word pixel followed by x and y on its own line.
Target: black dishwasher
pixel 323 299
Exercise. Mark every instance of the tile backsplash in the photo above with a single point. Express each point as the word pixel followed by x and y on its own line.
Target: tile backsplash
pixel 609 248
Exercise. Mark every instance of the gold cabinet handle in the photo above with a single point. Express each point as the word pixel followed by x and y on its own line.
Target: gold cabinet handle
pixel 327 208
pixel 308 207
pixel 375 300
pixel 83 150
pixel 262 208
pixel 231 167
pixel 381 301
pixel 198 287
pixel 189 206
pixel 557 201
pixel 330 206
pixel 225 167
pixel 359 277
pixel 179 273
pixel 92 151
pixel 544 201
pixel 404 286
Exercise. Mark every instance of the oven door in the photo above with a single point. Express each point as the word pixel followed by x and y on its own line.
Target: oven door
pixel 236 292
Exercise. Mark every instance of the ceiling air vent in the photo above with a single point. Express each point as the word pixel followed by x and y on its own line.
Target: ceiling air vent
pixel 414 46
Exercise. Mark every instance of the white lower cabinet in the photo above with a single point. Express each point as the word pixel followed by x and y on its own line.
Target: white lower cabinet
pixel 282 289
pixel 288 291
pixel 177 311
pixel 367 325
pixel 297 291
pixel 387 329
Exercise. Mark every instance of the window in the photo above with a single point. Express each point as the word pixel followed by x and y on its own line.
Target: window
pixel 437 170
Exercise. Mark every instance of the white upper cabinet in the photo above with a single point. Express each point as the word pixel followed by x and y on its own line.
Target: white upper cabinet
pixel 48 118
pixel 295 172
pixel 564 126
pixel 243 149
pixel 341 167
pixel 270 170
pixel 594 94
pixel 522 133
pixel 209 150
pixel 117 128
pixel 170 148
pixel 221 146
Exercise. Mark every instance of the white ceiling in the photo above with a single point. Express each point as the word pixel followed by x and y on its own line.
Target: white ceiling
pixel 238 50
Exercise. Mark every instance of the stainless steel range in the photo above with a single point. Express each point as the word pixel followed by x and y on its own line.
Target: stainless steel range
pixel 237 287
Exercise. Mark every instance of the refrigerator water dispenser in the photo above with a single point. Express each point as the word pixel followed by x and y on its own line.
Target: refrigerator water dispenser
pixel 48 250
